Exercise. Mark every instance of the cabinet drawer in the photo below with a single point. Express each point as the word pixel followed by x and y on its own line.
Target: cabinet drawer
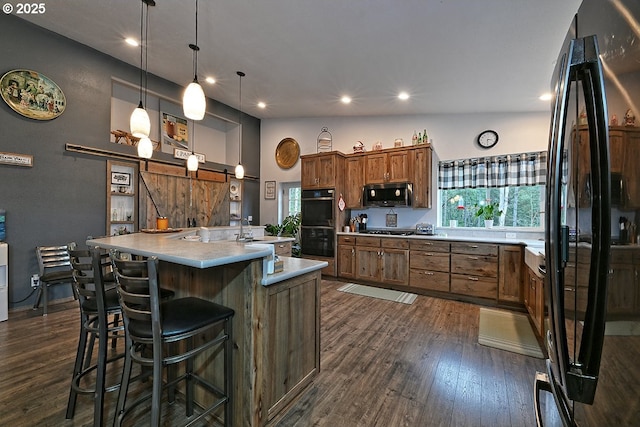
pixel 432 280
pixel 368 241
pixel 484 266
pixel 475 248
pixel 436 261
pixel 429 245
pixel 283 248
pixel 346 240
pixel 474 286
pixel 395 243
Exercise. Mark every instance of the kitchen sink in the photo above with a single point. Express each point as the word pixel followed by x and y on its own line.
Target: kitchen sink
pixel 534 258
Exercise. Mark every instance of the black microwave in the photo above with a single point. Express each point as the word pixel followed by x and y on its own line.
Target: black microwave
pixel 387 195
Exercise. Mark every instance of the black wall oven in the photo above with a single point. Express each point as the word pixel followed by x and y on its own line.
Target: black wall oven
pixel 317 234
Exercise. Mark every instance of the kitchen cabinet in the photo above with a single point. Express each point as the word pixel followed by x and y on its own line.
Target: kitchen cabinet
pixel 383 260
pixel 387 166
pixel 510 274
pixel 534 299
pixel 122 197
pixel 630 169
pixel 474 269
pixel 429 265
pixel 354 181
pixel 320 170
pixel 346 257
pixel 420 159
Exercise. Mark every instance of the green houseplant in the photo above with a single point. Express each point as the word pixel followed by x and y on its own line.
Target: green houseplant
pixel 290 227
pixel 488 213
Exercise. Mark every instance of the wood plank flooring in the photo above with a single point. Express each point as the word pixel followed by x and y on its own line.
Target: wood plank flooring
pixel 382 364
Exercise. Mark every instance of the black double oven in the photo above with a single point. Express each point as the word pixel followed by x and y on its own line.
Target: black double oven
pixel 318 229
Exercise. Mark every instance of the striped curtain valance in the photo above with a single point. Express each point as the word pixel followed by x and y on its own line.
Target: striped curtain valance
pixel 497 171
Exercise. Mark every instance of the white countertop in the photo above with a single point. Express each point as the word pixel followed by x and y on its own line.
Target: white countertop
pixel 502 240
pixel 293 267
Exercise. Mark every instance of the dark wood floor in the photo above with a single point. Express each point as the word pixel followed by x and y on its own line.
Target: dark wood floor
pixel 382 364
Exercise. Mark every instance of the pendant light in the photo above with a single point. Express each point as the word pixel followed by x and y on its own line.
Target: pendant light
pixel 145 148
pixel 139 122
pixel 192 160
pixel 239 167
pixel 194 102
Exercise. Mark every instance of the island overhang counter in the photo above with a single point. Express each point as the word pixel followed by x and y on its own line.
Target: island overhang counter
pixel 276 326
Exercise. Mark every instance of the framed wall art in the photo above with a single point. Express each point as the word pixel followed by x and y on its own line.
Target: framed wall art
pixel 175 131
pixel 120 178
pixel 270 190
pixel 32 94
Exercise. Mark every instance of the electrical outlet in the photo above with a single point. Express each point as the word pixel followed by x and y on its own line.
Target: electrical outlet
pixel 250 218
pixel 35 281
pixel 511 235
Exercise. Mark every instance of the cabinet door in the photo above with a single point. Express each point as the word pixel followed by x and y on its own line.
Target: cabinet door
pixel 631 172
pixel 375 168
pixel 621 290
pixel 368 263
pixel 346 261
pixel 581 162
pixel 616 149
pixel 398 166
pixel 122 197
pixel 354 180
pixel 510 270
pixel 308 174
pixel 395 266
pixel 326 171
pixel 421 166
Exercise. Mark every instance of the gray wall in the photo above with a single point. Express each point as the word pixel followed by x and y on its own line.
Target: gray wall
pixel 62 197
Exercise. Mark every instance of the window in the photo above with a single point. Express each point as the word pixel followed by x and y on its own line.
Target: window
pixel 514 183
pixel 291 199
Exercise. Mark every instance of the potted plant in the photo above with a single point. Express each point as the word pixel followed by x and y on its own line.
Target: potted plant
pixel 488 212
pixel 290 227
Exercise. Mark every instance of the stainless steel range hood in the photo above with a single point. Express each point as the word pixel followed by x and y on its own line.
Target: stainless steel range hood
pixel 387 195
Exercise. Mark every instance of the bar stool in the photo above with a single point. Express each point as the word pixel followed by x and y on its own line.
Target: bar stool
pixel 187 324
pixel 99 318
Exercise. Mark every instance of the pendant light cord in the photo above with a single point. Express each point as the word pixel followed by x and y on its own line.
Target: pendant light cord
pixel 141 46
pixel 241 74
pixel 146 55
pixel 196 49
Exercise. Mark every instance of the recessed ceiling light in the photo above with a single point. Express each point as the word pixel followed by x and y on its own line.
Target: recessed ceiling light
pixel 345 99
pixel 210 80
pixel 545 97
pixel 403 96
pixel 262 105
pixel 132 42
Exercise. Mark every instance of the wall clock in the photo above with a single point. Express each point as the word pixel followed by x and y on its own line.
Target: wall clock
pixel 488 138
pixel 32 94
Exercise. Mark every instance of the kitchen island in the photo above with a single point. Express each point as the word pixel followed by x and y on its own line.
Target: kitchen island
pixel 276 327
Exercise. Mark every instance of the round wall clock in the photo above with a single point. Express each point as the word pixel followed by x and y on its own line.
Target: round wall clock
pixel 488 138
pixel 32 94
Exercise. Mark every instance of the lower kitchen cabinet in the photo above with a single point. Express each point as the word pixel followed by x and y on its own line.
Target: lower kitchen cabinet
pixel 534 300
pixel 346 257
pixel 474 269
pixel 510 274
pixel 429 265
pixel 382 260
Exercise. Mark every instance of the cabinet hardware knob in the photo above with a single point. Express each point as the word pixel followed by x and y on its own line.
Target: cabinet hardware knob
pixel 474 279
pixel 473 246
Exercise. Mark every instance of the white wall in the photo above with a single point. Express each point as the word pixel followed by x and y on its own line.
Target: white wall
pixel 453 137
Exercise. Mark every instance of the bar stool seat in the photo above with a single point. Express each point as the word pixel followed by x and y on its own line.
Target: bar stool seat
pixel 192 325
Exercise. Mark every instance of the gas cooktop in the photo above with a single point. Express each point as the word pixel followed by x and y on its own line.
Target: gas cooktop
pixel 389 232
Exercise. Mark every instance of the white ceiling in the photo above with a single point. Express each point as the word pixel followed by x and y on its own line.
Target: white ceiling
pixel 301 56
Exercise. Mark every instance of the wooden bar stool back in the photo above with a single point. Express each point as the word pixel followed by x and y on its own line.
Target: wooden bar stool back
pixel 190 325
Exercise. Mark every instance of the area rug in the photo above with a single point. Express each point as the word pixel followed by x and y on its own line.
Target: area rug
pixel 621 328
pixel 509 331
pixel 370 291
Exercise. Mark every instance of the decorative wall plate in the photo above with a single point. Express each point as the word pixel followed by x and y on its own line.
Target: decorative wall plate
pixel 32 94
pixel 287 153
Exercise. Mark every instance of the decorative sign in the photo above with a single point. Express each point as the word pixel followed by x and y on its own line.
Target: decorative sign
pixel 32 94
pixel 120 178
pixel 174 130
pixel 16 159
pixel 184 154
pixel 270 190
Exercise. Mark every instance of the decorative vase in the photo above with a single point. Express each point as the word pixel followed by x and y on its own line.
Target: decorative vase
pixel 488 223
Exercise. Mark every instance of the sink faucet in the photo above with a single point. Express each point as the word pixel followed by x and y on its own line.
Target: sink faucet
pixel 241 236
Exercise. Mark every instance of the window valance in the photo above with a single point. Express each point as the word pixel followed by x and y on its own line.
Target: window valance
pixel 496 171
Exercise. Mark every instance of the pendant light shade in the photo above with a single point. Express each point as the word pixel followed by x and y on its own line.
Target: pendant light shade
pixel 145 148
pixel 140 123
pixel 239 167
pixel 194 103
pixel 239 171
pixel 192 163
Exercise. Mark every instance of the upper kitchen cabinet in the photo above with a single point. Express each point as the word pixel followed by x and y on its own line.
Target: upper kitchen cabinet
pixel 630 170
pixel 420 167
pixel 354 181
pixel 387 166
pixel 320 170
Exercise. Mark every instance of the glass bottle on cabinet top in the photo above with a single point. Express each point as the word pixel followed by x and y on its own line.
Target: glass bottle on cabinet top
pixel 235 201
pixel 122 198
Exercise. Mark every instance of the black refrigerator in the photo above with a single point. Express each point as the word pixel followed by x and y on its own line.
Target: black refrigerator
pixel 592 256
